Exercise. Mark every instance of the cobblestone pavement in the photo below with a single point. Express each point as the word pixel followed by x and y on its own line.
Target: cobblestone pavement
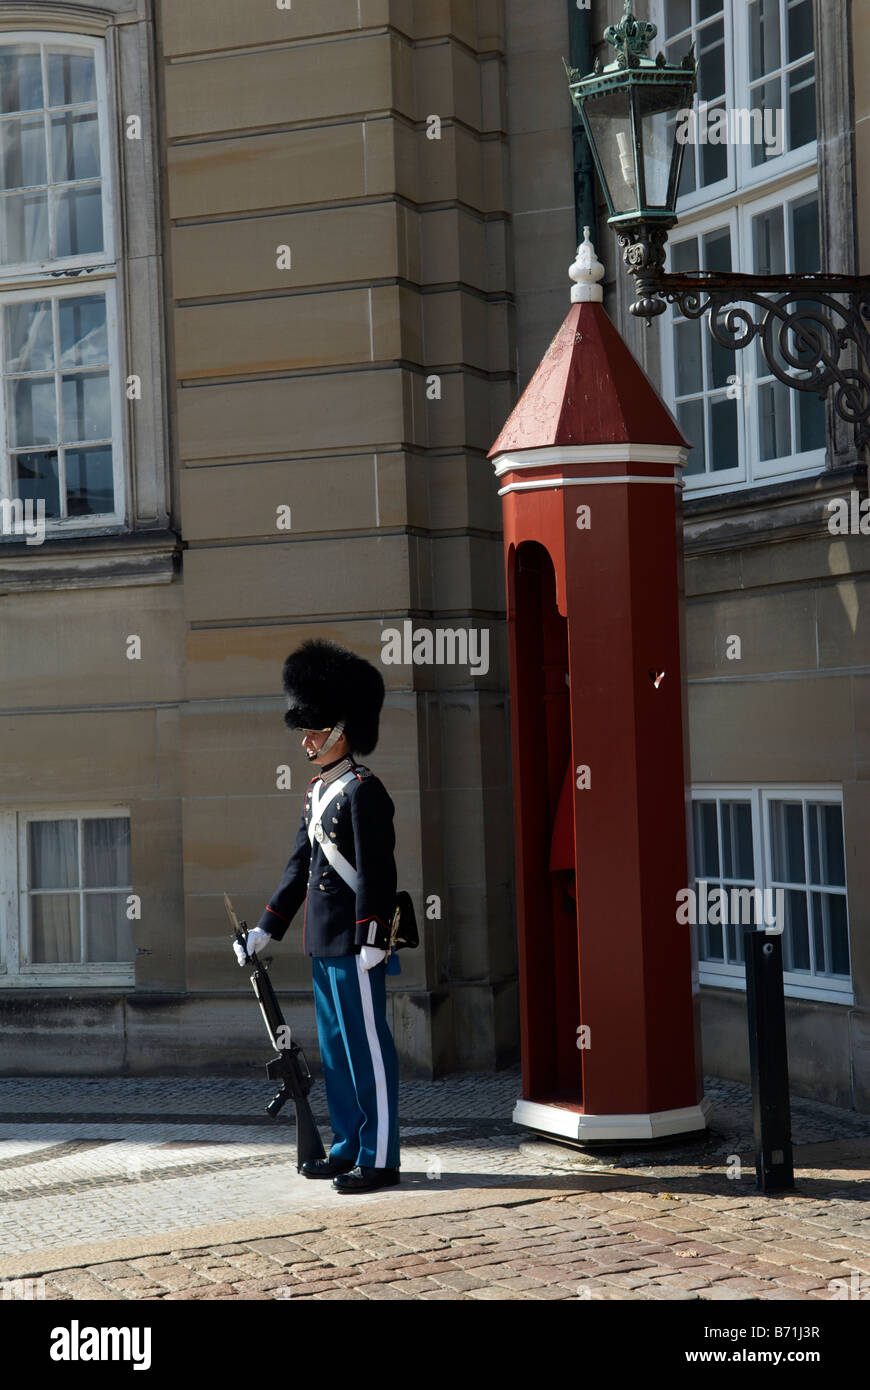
pixel 181 1189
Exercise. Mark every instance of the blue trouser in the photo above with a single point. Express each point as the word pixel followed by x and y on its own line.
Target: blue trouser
pixel 358 1055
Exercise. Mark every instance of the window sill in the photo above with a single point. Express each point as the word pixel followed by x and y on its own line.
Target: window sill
pixel 58 980
pixel 788 510
pixel 90 562
pixel 815 992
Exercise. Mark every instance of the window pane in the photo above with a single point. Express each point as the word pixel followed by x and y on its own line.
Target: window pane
pixel 714 947
pixel 829 921
pixel 713 158
pixel 83 340
pixel 79 214
pixel 825 828
pixel 687 357
pixel 684 255
pixel 20 78
pixel 55 930
pixel 690 418
pixel 108 934
pixel 768 242
pixel 22 152
pixel 711 62
pixel 805 233
pixel 774 421
pixel 87 410
pixel 90 489
pixel 802 105
pixel 707 8
pixel 36 479
pixel 787 841
pixel 723 364
pixel 706 839
pixel 71 78
pixel 811 422
pixel 32 411
pixel 24 228
pixel 53 854
pixel 717 250
pixel 723 435
pixel 107 852
pixel 764 45
pixel 29 342
pixel 768 126
pixel 800 29
pixel 737 855
pixel 678 15
pixel 796 931
pixel 75 146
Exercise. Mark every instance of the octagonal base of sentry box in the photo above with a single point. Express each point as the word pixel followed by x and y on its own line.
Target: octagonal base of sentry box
pixel 569 1122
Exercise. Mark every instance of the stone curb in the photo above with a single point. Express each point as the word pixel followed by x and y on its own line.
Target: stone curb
pixel 365 1211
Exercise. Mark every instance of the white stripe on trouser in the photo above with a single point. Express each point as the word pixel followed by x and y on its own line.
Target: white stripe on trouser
pixel 365 989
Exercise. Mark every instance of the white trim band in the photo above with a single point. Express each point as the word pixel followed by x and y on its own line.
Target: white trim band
pixel 382 1120
pixel 591 453
pixel 569 1124
pixel 538 483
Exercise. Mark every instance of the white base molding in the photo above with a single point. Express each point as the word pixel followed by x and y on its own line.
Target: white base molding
pixel 570 1124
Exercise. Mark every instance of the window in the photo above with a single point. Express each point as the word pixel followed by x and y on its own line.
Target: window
pixel 59 349
pixel 66 892
pixel 754 844
pixel 748 202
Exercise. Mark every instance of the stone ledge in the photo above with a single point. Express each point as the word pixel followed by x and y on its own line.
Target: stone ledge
pixel 90 562
pixel 788 510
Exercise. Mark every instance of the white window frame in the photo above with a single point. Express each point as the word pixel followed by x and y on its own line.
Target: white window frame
pixel 795 983
pixel 743 176
pixel 14 920
pixel 108 287
pixel 733 200
pixel 752 470
pixel 100 274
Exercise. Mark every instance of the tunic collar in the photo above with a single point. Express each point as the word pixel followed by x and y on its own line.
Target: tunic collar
pixel 332 770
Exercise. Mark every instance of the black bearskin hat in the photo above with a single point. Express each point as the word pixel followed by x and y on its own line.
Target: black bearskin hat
pixel 325 684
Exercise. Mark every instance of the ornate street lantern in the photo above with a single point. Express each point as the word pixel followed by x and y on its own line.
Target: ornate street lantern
pixel 627 109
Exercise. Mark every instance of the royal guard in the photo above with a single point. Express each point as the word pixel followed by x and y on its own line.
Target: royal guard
pixel 343 868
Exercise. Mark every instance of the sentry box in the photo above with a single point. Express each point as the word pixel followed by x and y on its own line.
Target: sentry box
pixel 588 467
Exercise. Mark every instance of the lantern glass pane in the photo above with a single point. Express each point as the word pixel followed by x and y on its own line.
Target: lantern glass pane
pixel 655 106
pixel 610 125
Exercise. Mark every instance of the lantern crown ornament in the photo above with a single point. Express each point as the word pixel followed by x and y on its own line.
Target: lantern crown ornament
pixel 630 37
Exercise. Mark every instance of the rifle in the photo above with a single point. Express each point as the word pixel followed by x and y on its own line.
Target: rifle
pixel 289 1066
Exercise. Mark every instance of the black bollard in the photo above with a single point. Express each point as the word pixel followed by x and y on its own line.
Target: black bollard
pixel 768 1062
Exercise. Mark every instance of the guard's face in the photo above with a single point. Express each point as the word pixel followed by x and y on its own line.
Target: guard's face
pixel 312 741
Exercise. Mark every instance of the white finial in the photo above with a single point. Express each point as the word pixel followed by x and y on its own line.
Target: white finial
pixel 586 271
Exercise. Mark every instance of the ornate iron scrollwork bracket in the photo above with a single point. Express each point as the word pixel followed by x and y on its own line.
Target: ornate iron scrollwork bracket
pixel 813 330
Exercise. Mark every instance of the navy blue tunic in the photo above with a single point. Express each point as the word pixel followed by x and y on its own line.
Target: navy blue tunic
pixel 337 921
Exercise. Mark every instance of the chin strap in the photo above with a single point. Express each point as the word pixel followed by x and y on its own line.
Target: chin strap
pixel 332 738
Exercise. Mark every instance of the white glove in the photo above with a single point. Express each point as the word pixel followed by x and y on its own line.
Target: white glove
pixel 371 956
pixel 256 940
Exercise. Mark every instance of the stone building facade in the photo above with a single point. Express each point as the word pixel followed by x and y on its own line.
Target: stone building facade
pixel 271 281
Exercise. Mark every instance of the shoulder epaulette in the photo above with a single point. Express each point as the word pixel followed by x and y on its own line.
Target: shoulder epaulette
pixel 362 772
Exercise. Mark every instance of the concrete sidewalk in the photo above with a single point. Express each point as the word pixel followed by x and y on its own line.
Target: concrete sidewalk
pixel 107 1193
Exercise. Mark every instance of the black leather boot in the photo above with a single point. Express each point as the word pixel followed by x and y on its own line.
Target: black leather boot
pixel 366 1179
